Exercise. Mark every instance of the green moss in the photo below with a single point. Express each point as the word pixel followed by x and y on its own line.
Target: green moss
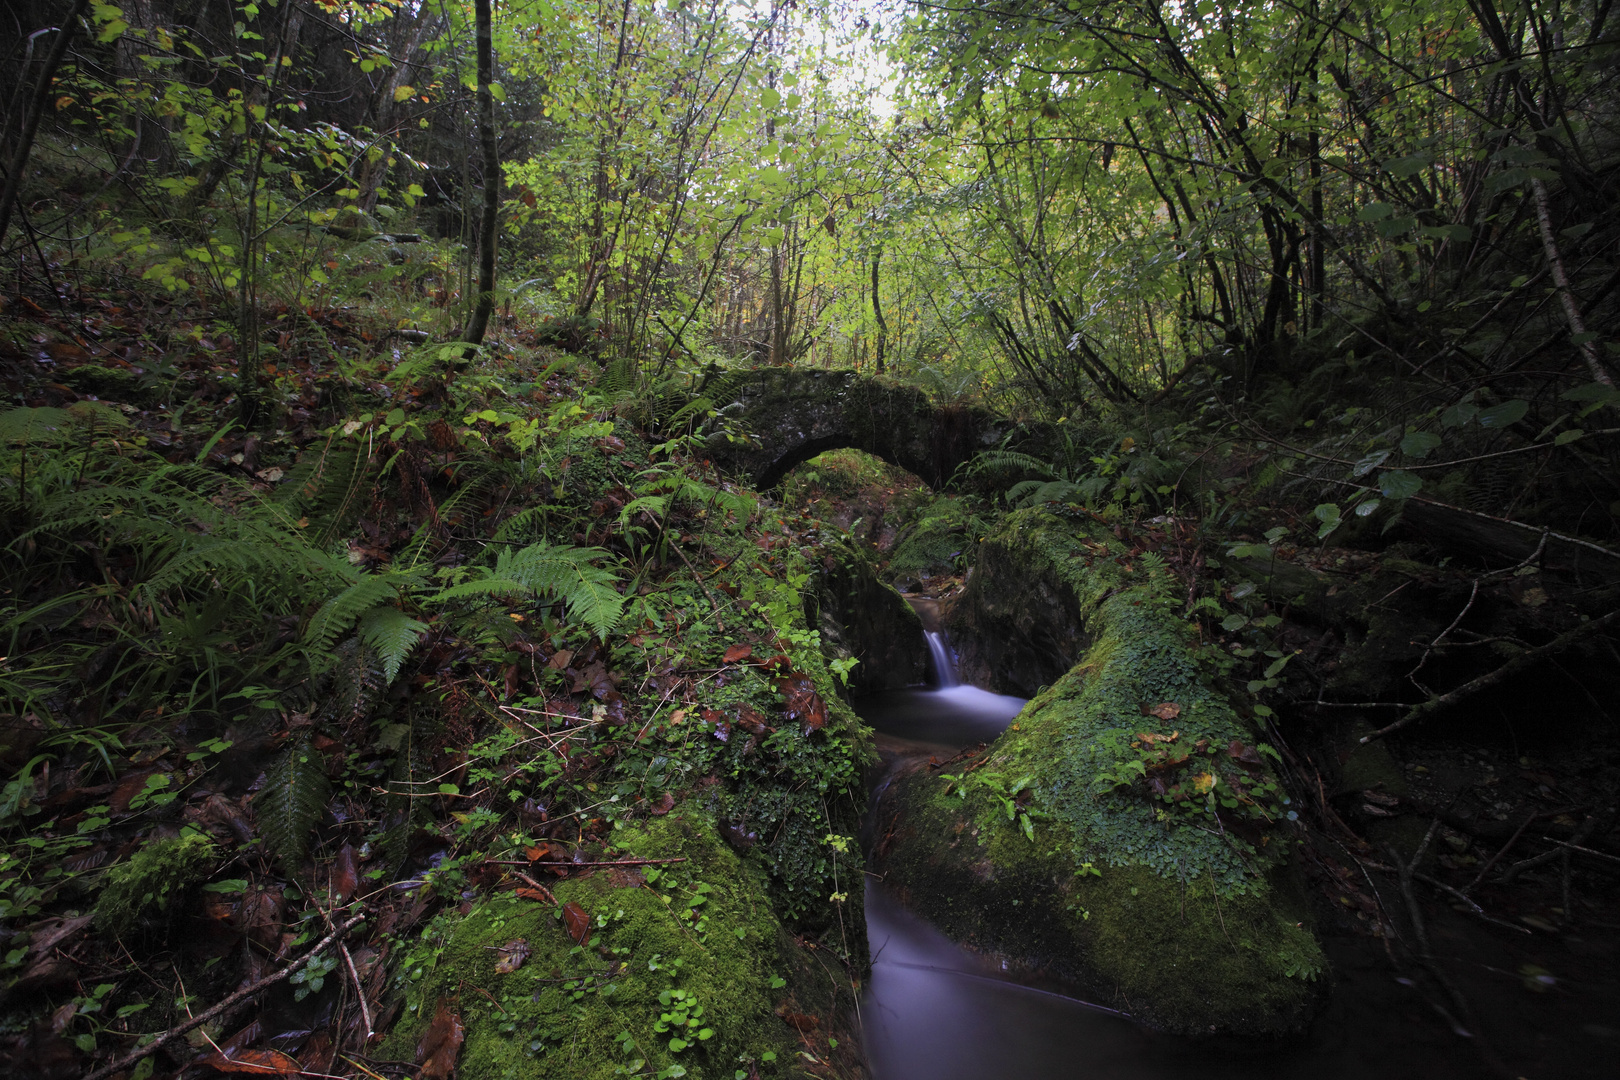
pixel 1055 850
pixel 700 932
pixel 156 874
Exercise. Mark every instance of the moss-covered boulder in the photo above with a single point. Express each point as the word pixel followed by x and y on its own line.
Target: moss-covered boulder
pixel 1126 834
pixel 679 966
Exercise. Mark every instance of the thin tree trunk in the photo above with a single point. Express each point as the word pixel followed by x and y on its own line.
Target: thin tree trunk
pixel 1572 311
pixel 485 304
pixel 877 312
pixel 42 93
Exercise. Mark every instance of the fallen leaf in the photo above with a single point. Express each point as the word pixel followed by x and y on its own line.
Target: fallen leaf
pixel 665 803
pixel 800 1022
pixel 801 702
pixel 264 1062
pixel 511 957
pixel 1152 738
pixel 738 652
pixel 561 659
pixel 1166 711
pixel 576 922
pixel 534 894
pixel 441 1043
pixel 345 874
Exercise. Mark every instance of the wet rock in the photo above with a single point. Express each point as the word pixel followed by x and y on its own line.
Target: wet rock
pixel 860 616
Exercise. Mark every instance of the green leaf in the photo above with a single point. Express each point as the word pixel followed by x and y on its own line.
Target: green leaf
pixel 1417 444
pixel 229 886
pixel 1399 484
pixel 497 91
pixel 769 99
pixel 1567 437
pixel 1377 211
pixel 1505 414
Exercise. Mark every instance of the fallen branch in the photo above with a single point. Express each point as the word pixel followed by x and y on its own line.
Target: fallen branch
pixel 533 884
pixel 246 992
pixel 586 865
pixel 1491 678
pixel 1582 850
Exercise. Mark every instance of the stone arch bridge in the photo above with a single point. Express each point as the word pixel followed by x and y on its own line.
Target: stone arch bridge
pixel 796 413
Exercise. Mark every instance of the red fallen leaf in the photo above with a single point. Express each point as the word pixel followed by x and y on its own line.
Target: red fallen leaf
pixel 611 444
pixel 576 922
pixel 801 700
pixel 441 435
pixel 738 652
pixel 264 1062
pixel 345 874
pixel 534 894
pixel 665 803
pixel 131 786
pixel 441 1043
pixel 1168 710
pixel 781 663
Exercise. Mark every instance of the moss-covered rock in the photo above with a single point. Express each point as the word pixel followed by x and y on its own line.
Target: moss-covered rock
pixel 863 619
pixel 1126 833
pixel 680 964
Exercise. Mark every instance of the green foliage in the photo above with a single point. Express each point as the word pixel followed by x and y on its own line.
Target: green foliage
pixel 292 799
pixel 158 873
pixel 552 572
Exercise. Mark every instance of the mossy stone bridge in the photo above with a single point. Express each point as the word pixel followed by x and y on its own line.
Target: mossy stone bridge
pixel 794 414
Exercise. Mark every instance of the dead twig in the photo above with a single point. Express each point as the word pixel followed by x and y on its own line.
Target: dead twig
pixel 1491 678
pixel 1494 859
pixel 246 992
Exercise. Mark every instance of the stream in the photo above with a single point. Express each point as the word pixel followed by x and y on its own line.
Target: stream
pixel 934 1010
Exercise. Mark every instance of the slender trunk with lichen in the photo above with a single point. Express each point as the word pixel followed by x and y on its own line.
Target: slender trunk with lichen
pixel 42 93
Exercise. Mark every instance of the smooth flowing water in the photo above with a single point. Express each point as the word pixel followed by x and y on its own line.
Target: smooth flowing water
pixel 936 1011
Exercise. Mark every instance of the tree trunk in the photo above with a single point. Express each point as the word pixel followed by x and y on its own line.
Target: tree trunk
pixel 877 312
pixel 42 93
pixel 485 304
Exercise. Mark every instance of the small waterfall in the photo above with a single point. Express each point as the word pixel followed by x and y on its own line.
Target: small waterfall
pixel 939 651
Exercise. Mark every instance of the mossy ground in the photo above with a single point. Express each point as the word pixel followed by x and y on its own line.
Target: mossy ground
pixel 701 931
pixel 1052 849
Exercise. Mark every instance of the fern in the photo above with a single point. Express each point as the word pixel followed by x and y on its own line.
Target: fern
pixel 346 608
pixel 33 427
pixel 392 634
pixel 292 799
pixel 555 571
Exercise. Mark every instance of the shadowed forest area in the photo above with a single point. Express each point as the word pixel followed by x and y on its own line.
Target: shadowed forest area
pixel 474 476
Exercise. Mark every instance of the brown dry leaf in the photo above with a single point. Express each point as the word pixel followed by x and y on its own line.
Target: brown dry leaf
pixel 1152 738
pixel 511 957
pixel 345 874
pixel 801 700
pixel 441 1042
pixel 264 1062
pixel 576 921
pixel 534 894
pixel 738 652
pixel 800 1022
pixel 665 803
pixel 1168 710
pixel 561 659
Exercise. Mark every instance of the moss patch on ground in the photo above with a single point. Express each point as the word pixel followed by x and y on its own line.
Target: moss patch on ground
pixel 682 968
pixel 1126 832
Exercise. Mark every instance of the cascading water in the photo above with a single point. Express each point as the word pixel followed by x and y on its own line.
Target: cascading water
pixel 939 654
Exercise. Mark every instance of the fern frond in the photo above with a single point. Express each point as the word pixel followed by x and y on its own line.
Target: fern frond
pixel 1009 461
pixel 341 611
pixel 392 634
pixel 292 799
pixel 565 572
pixel 556 571
pixel 33 427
